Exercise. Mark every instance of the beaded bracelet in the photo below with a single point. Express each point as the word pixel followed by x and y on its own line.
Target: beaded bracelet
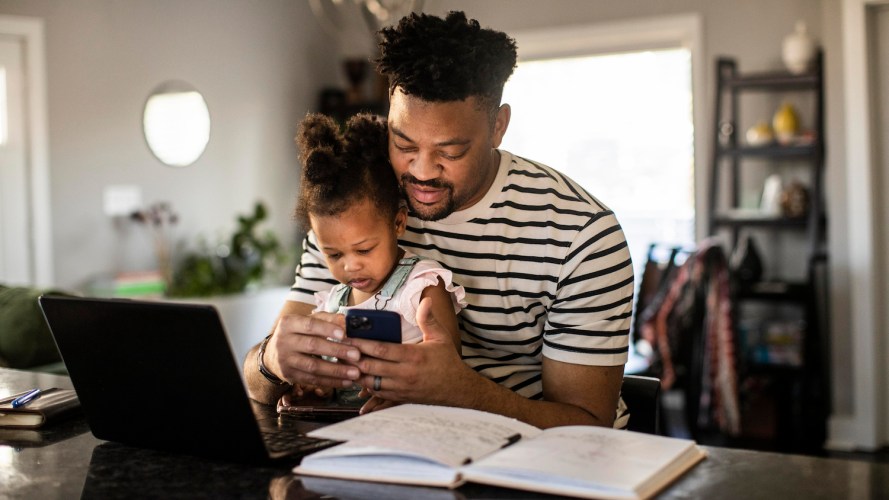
pixel 271 377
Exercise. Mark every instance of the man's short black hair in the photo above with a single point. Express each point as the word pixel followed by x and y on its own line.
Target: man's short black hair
pixel 450 59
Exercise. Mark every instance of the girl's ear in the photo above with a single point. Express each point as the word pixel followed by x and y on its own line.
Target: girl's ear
pixel 400 221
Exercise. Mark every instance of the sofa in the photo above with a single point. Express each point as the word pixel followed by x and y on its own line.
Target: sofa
pixel 25 340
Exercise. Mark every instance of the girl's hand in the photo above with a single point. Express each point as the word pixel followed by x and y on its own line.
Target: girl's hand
pixel 375 403
pixel 300 391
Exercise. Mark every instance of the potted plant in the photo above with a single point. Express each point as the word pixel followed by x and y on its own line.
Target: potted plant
pixel 240 264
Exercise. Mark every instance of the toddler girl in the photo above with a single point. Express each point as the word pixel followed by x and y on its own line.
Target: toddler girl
pixel 350 198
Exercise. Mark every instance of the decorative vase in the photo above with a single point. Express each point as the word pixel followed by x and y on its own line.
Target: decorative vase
pixel 798 50
pixel 746 262
pixel 771 196
pixel 785 123
pixel 356 70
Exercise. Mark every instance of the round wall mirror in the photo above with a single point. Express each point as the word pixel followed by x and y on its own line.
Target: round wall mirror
pixel 176 123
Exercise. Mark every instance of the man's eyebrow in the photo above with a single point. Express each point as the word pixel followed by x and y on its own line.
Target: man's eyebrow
pixel 399 133
pixel 449 142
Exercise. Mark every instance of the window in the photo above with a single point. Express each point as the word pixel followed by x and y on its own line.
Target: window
pixel 621 126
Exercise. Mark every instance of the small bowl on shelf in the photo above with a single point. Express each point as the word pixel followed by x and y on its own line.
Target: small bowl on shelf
pixel 759 135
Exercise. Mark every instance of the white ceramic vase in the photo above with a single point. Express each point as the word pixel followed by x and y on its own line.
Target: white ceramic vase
pixel 798 50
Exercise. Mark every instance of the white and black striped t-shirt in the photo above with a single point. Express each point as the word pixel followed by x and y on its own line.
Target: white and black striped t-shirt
pixel 546 270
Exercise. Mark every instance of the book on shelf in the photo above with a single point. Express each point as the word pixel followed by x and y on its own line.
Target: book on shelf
pixel 131 285
pixel 51 405
pixel 446 447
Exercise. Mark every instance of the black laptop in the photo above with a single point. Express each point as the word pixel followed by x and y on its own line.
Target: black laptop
pixel 162 375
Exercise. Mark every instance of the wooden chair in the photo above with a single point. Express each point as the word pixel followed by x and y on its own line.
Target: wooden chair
pixel 642 397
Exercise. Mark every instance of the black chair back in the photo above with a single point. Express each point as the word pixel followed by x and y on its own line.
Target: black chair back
pixel 642 397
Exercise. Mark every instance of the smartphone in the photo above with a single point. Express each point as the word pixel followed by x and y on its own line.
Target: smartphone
pixel 339 404
pixel 370 324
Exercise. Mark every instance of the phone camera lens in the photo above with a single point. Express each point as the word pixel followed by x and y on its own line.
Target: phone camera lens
pixel 360 323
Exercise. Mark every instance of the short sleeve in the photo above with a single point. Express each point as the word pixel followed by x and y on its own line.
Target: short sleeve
pixel 321 300
pixel 589 322
pixel 427 273
pixel 312 274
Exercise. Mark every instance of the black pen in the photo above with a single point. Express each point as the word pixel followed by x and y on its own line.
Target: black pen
pixel 26 398
pixel 511 440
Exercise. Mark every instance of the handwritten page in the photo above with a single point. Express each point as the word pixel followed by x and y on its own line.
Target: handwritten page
pixel 575 459
pixel 450 436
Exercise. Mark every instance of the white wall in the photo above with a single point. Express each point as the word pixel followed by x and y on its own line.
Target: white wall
pixel 880 58
pixel 866 423
pixel 259 65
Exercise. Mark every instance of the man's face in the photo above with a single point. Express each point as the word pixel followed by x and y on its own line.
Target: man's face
pixel 443 152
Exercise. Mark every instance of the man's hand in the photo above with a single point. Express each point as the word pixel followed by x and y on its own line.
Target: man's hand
pixel 430 372
pixel 294 354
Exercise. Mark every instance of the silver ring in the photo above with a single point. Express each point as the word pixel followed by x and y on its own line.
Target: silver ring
pixel 378 381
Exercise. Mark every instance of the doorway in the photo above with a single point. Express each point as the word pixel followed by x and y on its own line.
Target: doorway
pixel 25 250
pixel 880 85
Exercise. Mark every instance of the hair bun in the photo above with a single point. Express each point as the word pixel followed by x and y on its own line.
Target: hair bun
pixel 321 167
pixel 318 131
pixel 367 138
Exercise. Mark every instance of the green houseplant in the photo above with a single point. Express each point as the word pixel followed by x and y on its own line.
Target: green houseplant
pixel 243 262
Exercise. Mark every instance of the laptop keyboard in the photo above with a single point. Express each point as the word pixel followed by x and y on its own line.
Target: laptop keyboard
pixel 295 442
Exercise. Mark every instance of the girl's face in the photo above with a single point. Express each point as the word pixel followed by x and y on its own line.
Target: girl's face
pixel 360 245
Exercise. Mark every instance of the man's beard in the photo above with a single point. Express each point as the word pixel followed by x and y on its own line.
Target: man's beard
pixel 429 212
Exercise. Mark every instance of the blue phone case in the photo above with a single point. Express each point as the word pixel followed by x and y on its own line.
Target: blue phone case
pixel 370 324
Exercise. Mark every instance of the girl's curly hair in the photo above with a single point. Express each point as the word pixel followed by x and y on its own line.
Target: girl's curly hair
pixel 450 59
pixel 344 168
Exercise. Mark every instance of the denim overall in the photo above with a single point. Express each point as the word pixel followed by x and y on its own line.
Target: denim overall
pixel 339 296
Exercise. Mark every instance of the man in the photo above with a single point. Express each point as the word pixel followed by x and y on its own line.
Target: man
pixel 545 265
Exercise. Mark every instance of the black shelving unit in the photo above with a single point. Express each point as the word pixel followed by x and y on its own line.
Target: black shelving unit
pixel 794 393
pixel 334 103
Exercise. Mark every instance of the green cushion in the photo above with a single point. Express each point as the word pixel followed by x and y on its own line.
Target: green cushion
pixel 25 340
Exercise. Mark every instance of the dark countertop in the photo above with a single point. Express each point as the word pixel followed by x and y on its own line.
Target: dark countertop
pixel 66 461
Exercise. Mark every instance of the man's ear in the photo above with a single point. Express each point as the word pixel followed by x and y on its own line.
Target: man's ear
pixel 400 221
pixel 501 123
